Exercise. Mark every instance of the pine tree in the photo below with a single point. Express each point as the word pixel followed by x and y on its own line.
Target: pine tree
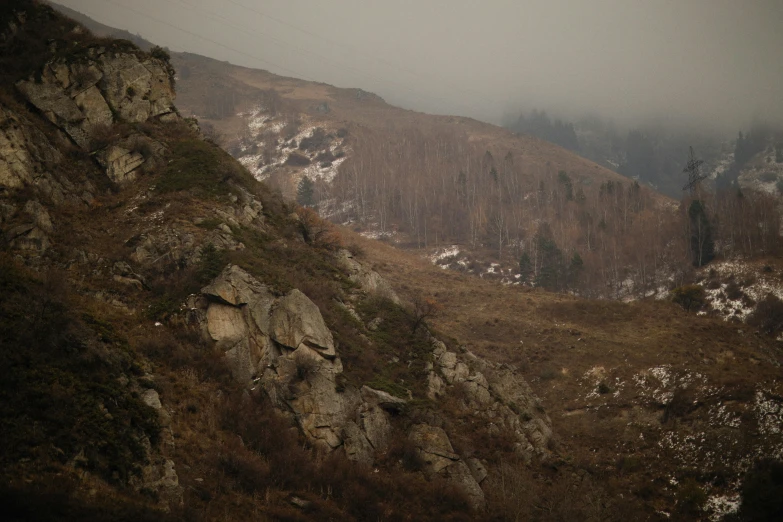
pixel 525 268
pixel 550 276
pixel 304 193
pixel 564 179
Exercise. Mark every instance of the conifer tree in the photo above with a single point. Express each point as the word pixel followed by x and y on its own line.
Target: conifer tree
pixel 525 268
pixel 550 275
pixel 304 193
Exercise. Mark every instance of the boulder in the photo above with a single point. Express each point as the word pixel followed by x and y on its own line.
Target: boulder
pixel 235 287
pixel 433 447
pixel 459 473
pixel 296 320
pixel 385 400
pixel 477 469
pixel 39 216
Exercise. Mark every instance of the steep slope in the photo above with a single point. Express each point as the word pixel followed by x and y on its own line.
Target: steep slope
pixel 181 340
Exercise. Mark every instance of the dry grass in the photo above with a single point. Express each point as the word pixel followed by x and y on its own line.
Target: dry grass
pixel 554 340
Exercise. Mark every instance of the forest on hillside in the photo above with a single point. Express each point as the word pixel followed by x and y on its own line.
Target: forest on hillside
pixel 566 231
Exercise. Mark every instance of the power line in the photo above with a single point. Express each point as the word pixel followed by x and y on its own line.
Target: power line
pixel 262 60
pixel 353 47
pixel 273 64
pixel 256 34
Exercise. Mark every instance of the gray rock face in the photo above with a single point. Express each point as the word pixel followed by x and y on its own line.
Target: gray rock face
pixel 25 152
pixel 284 345
pixel 237 320
pixel 296 321
pixel 494 392
pixel 82 95
pixel 33 235
pixel 122 160
pixel 368 279
pixel 434 449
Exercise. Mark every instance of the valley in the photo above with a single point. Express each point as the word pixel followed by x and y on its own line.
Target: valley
pixel 232 295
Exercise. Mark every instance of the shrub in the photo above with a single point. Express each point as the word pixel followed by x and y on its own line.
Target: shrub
pixel 306 365
pixel 733 291
pixel 314 142
pixel 690 297
pixel 297 160
pixel 768 316
pixel 690 498
pixel 60 386
pixel 762 491
pixel 202 167
pixel 316 231
pixel 160 53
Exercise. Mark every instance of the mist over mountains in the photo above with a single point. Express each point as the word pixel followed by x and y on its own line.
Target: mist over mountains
pixel 700 64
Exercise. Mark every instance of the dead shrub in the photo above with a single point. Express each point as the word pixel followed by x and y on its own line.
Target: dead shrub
pixel 249 472
pixel 733 291
pixel 297 160
pixel 318 232
pixel 682 404
pixel 307 365
pixel 314 142
pixel 102 135
pixel 768 316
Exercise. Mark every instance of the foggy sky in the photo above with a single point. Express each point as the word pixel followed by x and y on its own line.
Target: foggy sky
pixel 710 63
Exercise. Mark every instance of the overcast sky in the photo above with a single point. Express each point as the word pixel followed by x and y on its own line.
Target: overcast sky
pixel 713 62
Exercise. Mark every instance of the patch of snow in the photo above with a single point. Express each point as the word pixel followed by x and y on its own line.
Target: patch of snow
pixel 721 505
pixel 444 253
pixel 769 413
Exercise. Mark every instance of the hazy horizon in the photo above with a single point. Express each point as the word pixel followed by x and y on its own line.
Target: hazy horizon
pixel 711 64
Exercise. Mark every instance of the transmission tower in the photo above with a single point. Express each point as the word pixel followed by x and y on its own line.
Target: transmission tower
pixel 693 168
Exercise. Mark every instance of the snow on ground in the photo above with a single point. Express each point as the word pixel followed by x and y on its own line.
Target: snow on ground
pixel 444 253
pixel 760 285
pixel 769 413
pixel 326 173
pixel 377 234
pixel 261 124
pixel 721 505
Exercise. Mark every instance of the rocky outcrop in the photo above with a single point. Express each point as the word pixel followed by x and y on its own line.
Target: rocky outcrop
pixel 437 456
pixel 123 159
pixel 25 152
pixel 283 345
pixel 32 235
pixel 297 322
pixel 493 392
pixel 368 279
pixel 103 86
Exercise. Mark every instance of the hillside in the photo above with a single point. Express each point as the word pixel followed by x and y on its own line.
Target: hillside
pixel 181 342
pixel 475 197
